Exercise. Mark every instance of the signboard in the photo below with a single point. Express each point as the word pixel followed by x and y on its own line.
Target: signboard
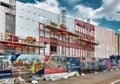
pixel 107 63
pixel 55 64
pixel 101 64
pixel 54 70
pixel 32 64
pixel 96 63
pixel 11 65
pixel 114 61
pixel 73 64
pixel 5 73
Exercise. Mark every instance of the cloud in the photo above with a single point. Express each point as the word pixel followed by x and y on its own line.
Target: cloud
pixel 109 9
pixel 49 5
pixel 72 1
pixel 110 29
pixel 84 12
pixel 118 29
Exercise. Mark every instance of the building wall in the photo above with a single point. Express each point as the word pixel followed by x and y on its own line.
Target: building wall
pixel 106 38
pixel 116 44
pixel 2 21
pixel 8 1
pixel 7 16
pixel 28 18
pixel 86 32
pixel 7 20
pixel 119 45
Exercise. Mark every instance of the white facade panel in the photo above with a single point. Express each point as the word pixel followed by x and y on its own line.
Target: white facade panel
pixel 106 38
pixel 28 18
pixel 47 51
pixel 2 21
pixel 4 16
pixel 70 24
pixel 60 50
pixel 67 51
pixel 73 52
pixel 70 51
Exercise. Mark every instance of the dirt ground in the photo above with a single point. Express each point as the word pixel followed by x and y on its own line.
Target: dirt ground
pixel 98 78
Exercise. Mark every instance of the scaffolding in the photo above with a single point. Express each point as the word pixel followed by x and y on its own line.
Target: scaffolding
pixel 64 38
pixel 19 45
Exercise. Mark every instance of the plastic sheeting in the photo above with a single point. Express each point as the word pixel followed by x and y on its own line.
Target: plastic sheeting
pixel 59 76
pixel 55 64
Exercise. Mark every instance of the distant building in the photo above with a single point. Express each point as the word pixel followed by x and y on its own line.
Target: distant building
pixel 106 38
pixel 117 44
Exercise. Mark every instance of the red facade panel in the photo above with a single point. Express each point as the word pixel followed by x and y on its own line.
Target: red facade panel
pixel 86 31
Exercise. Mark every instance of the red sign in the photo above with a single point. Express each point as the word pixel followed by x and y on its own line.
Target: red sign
pixel 55 64
pixel 54 70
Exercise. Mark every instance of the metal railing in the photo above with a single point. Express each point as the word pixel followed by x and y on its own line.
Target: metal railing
pixel 17 39
pixel 93 41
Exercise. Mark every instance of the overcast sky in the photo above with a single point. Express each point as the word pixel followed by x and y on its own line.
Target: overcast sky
pixel 104 13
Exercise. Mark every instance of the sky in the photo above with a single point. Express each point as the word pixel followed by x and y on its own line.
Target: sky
pixel 103 13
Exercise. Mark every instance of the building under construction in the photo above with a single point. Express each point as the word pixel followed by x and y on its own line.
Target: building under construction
pixel 62 35
pixel 41 22
pixel 41 32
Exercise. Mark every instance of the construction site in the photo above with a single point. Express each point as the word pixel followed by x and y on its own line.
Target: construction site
pixel 36 42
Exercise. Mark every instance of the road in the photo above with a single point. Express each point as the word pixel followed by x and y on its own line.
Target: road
pixel 98 78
